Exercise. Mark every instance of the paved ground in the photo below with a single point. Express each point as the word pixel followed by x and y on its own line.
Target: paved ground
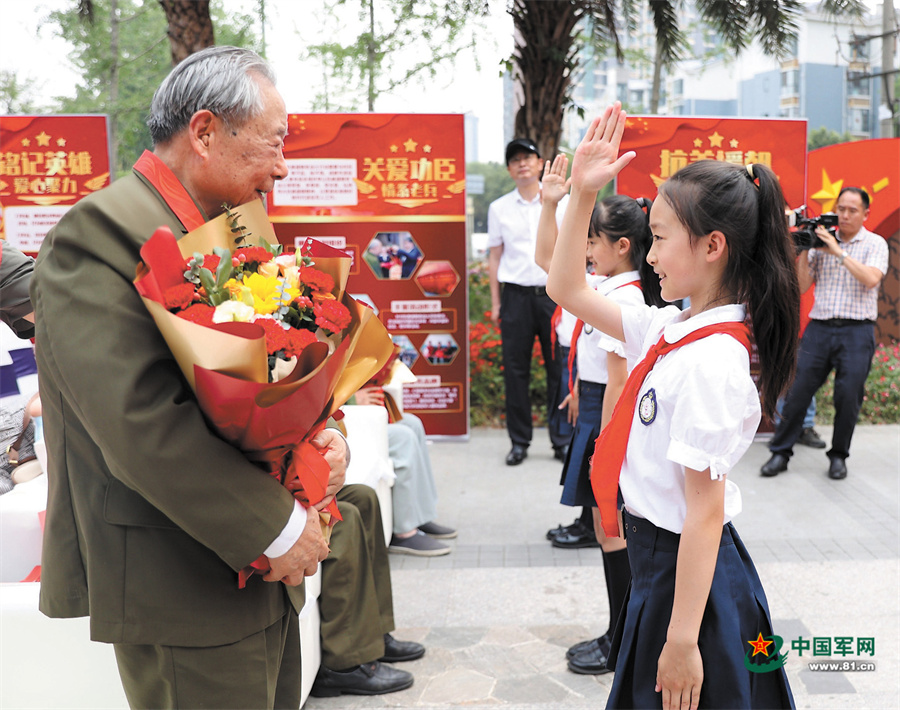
pixel 498 613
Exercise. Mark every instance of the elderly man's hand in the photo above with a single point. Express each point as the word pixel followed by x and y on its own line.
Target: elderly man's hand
pixel 303 558
pixel 333 447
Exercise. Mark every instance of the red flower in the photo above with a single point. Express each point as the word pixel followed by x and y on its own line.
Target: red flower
pixel 198 313
pixel 331 315
pixel 297 341
pixel 179 297
pixel 318 281
pixel 276 336
pixel 252 255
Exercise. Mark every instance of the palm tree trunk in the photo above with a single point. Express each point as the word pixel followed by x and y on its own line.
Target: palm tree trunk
pixel 190 27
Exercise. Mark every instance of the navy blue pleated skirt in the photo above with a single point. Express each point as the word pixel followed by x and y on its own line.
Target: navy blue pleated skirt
pixel 576 476
pixel 736 612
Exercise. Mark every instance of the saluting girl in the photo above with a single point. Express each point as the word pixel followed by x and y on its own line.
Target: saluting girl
pixel 687 414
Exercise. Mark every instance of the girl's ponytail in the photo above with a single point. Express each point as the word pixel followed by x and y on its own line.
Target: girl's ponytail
pixel 649 278
pixel 772 293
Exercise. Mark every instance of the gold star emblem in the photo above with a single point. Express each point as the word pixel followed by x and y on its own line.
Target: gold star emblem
pixel 426 148
pixel 828 195
pixel 760 645
pixel 61 142
pixel 715 140
pixel 394 148
pixel 26 142
pixel 42 139
pixel 698 142
pixel 410 146
pixel 734 142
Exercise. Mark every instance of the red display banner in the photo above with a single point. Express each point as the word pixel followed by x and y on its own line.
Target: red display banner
pixel 389 190
pixel 872 165
pixel 47 164
pixel 666 143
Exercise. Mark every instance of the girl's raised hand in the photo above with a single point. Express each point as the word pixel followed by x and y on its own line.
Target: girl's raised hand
pixel 554 185
pixel 597 160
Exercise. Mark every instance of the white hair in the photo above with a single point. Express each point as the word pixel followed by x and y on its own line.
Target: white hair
pixel 216 79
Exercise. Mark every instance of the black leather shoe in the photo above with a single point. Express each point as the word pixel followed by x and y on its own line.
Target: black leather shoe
pixel 774 466
pixel 367 679
pixel 809 437
pixel 396 651
pixel 837 470
pixel 560 452
pixel 562 530
pixel 590 661
pixel 585 645
pixel 579 537
pixel 516 455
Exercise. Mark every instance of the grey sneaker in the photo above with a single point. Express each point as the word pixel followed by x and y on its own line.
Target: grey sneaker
pixel 419 544
pixel 440 532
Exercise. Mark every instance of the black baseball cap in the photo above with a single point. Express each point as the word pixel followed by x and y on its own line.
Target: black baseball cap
pixel 518 145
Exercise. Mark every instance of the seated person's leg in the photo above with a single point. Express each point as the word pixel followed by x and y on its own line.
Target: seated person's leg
pixel 356 606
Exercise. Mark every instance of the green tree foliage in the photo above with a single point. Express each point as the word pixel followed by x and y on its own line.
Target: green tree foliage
pixel 119 77
pixel 822 136
pixel 354 75
pixel 497 182
pixel 551 37
pixel 16 95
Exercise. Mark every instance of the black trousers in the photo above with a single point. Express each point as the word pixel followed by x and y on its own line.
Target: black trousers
pixel 847 348
pixel 525 313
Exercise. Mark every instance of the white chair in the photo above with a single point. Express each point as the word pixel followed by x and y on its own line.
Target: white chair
pixel 52 663
pixel 20 529
pixel 369 459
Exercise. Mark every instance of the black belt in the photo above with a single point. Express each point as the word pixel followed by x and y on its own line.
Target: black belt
pixel 536 290
pixel 840 322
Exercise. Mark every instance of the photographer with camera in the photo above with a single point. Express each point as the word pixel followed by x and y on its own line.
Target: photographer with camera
pixel 847 268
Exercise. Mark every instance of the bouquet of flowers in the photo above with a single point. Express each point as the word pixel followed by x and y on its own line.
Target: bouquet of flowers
pixel 271 343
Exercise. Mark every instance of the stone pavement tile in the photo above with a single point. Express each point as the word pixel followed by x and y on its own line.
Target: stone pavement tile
pixel 806 550
pixel 854 548
pixel 458 686
pixel 831 550
pixel 535 690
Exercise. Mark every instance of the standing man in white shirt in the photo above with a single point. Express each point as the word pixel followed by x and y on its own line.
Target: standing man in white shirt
pixel 519 300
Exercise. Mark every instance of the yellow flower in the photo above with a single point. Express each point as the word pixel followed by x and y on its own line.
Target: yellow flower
pixel 265 291
pixel 292 276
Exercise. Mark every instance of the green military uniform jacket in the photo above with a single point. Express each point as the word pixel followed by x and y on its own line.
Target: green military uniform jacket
pixel 150 514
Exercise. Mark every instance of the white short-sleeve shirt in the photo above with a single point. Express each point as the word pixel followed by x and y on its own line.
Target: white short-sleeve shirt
pixel 593 345
pixel 512 224
pixel 565 327
pixel 698 408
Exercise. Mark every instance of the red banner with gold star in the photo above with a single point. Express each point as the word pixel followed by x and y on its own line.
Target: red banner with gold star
pixel 389 190
pixel 666 143
pixel 872 165
pixel 47 164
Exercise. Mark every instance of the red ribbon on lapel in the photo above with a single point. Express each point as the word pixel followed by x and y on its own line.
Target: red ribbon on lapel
pixel 171 190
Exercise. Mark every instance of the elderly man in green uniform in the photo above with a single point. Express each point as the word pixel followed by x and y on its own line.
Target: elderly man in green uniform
pixel 150 514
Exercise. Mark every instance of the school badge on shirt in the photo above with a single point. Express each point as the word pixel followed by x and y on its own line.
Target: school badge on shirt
pixel 647 407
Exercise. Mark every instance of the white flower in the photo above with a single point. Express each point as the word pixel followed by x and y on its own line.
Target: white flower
pixel 233 311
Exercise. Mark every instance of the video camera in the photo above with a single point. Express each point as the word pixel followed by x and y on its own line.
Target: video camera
pixel 803 228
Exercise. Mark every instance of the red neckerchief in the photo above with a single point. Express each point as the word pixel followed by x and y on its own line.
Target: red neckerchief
pixel 610 446
pixel 171 190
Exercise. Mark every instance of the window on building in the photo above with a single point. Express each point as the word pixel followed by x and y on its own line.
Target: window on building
pixel 856 86
pixel 790 82
pixel 858 120
pixel 678 88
